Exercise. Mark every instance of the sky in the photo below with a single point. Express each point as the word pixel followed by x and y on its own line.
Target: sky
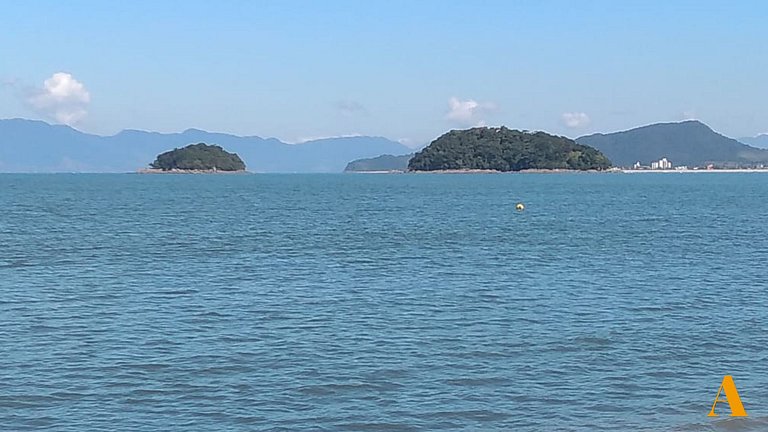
pixel 406 70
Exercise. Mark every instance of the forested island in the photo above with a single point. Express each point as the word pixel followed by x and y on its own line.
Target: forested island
pixel 503 149
pixel 383 163
pixel 197 158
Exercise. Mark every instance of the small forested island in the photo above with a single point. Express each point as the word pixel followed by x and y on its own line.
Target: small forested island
pixel 383 163
pixel 503 149
pixel 202 158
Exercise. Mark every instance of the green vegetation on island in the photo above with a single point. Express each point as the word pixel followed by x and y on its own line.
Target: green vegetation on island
pixel 198 157
pixel 503 149
pixel 690 143
pixel 379 163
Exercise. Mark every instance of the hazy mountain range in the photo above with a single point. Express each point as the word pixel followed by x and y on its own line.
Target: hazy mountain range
pixel 760 141
pixel 690 143
pixel 36 146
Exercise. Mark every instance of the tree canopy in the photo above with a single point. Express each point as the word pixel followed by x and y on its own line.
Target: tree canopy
pixel 199 157
pixel 504 149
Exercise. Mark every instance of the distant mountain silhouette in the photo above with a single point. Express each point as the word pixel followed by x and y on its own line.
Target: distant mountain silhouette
pixel 689 143
pixel 380 163
pixel 36 146
pixel 760 141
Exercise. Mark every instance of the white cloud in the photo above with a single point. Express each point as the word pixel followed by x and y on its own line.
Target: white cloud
pixel 62 98
pixel 575 120
pixel 468 112
pixel 350 108
pixel 689 115
pixel 302 140
pixel 411 143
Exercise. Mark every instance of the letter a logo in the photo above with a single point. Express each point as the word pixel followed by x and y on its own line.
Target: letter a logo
pixel 731 397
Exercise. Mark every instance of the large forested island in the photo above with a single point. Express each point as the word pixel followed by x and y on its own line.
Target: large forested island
pixel 503 149
pixel 198 158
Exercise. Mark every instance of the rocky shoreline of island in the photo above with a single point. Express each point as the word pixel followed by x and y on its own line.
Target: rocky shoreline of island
pixel 487 171
pixel 188 171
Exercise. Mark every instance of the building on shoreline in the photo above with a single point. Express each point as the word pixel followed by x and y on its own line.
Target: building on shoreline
pixel 662 164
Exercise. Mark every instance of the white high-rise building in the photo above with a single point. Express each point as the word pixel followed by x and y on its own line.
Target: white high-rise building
pixel 662 164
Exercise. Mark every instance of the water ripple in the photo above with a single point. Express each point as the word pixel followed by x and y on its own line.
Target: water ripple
pixel 397 303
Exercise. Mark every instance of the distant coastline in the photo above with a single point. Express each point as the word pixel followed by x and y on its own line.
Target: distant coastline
pixel 457 171
pixel 692 171
pixel 377 172
pixel 567 171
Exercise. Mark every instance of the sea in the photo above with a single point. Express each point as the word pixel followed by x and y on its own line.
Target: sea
pixel 351 302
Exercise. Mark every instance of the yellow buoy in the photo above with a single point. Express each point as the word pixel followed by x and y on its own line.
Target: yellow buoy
pixel 520 207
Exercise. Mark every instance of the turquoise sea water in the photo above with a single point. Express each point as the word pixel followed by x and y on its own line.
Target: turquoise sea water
pixel 382 303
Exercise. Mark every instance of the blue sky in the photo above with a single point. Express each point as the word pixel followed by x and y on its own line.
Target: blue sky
pixel 407 70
